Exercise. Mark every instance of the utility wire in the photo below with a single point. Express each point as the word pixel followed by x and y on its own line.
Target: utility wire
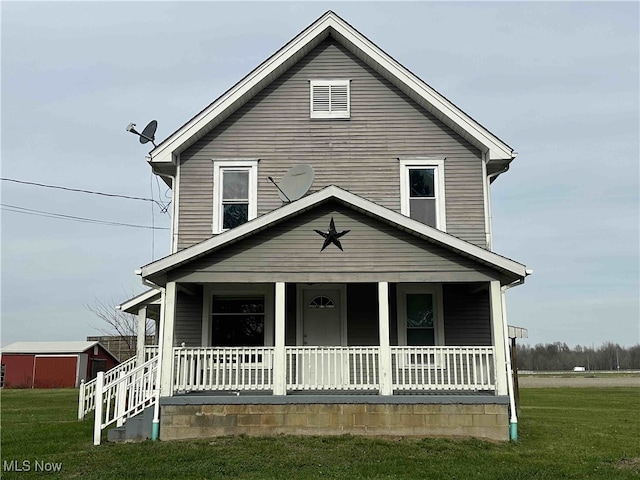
pixel 161 205
pixel 60 216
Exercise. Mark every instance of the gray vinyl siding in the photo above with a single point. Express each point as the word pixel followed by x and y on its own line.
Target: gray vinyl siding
pixel 373 251
pixel 188 319
pixel 467 316
pixel 360 154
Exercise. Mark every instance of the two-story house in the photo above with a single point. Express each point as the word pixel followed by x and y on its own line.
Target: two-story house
pixel 369 303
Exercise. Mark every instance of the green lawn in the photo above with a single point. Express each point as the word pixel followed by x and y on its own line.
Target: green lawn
pixel 563 433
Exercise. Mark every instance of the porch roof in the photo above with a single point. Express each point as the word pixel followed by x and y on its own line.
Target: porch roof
pixel 158 270
pixel 145 299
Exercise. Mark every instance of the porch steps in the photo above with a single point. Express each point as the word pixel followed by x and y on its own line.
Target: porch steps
pixel 135 429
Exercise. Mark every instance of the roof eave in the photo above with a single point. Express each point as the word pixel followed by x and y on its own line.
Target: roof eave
pixel 132 305
pixel 241 92
pixel 156 271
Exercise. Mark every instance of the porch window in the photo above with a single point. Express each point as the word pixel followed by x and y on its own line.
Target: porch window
pixel 235 185
pixel 238 321
pixel 420 315
pixel 422 190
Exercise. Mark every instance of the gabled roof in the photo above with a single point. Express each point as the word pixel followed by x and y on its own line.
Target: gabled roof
pixel 155 271
pixel 51 347
pixel 150 297
pixel 329 24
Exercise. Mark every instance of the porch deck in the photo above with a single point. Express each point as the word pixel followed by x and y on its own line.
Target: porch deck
pixel 333 397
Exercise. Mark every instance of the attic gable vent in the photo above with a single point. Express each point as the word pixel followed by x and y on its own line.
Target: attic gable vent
pixel 330 99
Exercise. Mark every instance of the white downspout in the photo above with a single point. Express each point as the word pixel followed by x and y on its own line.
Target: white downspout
pixel 155 426
pixel 513 420
pixel 490 219
pixel 487 191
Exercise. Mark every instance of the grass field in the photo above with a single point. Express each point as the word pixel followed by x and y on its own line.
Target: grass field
pixel 563 433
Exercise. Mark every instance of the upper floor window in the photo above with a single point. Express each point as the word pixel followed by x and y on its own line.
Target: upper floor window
pixel 330 99
pixel 234 193
pixel 422 190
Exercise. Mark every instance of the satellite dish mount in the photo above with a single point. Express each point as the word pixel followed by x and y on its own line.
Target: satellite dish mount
pixel 295 183
pixel 148 134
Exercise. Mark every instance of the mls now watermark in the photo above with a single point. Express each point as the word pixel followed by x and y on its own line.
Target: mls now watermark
pixel 28 466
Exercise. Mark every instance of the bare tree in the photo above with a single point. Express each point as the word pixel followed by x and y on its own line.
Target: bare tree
pixel 117 323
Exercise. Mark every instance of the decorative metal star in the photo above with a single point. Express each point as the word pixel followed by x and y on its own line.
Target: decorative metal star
pixel 332 236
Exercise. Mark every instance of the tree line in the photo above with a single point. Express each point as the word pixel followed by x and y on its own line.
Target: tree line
pixel 559 356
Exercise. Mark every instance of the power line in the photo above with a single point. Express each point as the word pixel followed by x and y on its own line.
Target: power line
pixel 161 205
pixel 60 216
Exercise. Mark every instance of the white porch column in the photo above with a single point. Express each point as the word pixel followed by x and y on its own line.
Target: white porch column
pixel 384 356
pixel 142 334
pixel 280 355
pixel 166 341
pixel 498 337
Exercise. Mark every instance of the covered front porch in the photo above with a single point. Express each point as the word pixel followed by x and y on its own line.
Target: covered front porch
pixel 264 321
pixel 354 338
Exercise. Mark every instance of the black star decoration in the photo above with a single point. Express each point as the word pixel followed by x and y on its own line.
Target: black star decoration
pixel 332 236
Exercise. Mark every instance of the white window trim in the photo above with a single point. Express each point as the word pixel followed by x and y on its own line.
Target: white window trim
pixel 330 114
pixel 250 165
pixel 434 289
pixel 425 162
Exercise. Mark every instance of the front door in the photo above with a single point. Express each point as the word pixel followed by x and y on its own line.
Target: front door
pixel 321 317
pixel 322 368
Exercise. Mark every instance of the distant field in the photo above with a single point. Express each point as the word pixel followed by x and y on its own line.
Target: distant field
pixel 578 379
pixel 563 433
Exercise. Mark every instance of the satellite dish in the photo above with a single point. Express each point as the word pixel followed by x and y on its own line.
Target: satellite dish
pixel 148 134
pixel 296 182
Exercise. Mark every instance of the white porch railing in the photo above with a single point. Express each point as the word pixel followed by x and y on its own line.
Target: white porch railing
pixel 443 368
pixel 223 368
pixel 150 351
pixel 332 368
pixel 124 397
pixel 87 394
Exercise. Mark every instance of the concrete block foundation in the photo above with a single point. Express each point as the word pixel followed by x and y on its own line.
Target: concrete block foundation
pixel 192 417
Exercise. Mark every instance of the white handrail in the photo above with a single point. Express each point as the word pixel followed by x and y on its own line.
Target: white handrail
pixel 443 368
pixel 86 400
pixel 123 397
pixel 223 368
pixel 352 368
pixel 332 368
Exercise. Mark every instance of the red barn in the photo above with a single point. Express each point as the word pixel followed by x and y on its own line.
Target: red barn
pixel 53 364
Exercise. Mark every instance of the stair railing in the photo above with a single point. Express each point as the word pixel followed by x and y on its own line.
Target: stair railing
pixel 86 398
pixel 123 397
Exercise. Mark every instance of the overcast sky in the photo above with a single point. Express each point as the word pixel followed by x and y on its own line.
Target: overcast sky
pixel 559 82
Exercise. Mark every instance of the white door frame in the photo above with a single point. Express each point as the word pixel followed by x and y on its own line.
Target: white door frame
pixel 301 288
